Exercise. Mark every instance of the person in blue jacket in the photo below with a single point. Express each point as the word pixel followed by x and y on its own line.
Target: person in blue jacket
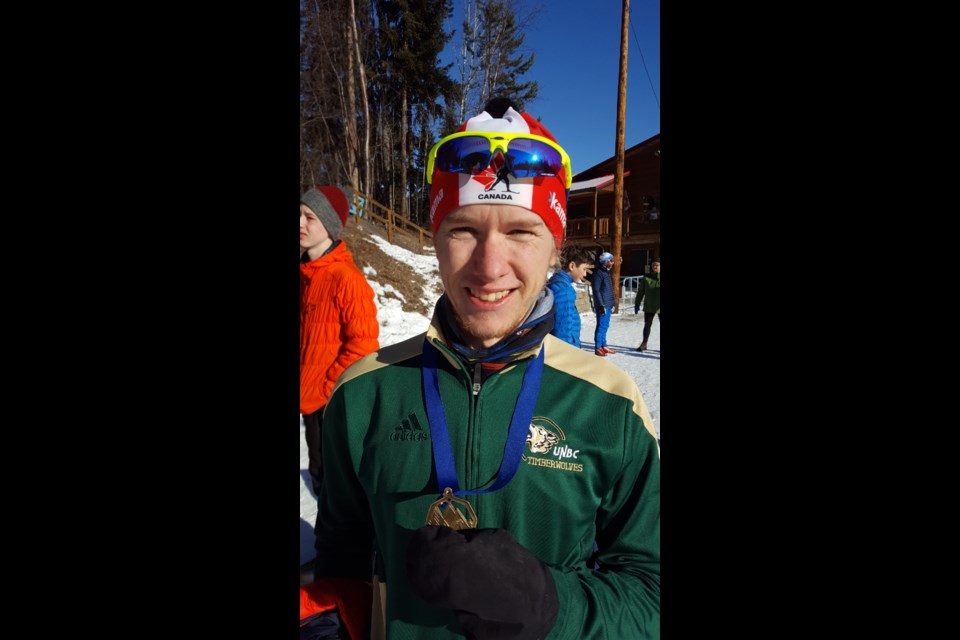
pixel 566 324
pixel 603 301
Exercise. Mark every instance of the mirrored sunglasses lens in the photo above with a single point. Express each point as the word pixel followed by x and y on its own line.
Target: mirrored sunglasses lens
pixel 470 154
pixel 532 158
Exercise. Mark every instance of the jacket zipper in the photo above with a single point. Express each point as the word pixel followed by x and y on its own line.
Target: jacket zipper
pixel 476 380
pixel 472 455
pixel 472 426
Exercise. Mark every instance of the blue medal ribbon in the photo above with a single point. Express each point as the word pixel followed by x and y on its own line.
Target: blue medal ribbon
pixel 516 436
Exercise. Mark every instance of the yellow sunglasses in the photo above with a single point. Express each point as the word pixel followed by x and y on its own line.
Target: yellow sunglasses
pixel 528 155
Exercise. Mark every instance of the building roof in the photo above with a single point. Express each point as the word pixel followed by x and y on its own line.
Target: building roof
pixel 595 184
pixel 645 152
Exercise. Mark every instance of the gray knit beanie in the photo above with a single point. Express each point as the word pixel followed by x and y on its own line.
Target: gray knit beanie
pixel 330 205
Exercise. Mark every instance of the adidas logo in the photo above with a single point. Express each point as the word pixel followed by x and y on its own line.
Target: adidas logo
pixel 410 429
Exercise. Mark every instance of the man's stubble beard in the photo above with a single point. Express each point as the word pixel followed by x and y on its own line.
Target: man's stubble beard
pixel 496 333
pixel 467 329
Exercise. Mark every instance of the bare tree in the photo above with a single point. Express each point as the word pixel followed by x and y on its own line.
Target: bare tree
pixel 466 57
pixel 490 55
pixel 365 101
pixel 349 107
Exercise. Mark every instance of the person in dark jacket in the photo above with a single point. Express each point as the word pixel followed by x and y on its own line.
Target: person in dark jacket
pixel 602 285
pixel 566 324
pixel 649 294
pixel 469 469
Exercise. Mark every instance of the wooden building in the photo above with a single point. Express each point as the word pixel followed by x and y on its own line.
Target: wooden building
pixel 590 207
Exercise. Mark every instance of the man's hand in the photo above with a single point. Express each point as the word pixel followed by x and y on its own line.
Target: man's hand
pixel 495 586
pixel 601 311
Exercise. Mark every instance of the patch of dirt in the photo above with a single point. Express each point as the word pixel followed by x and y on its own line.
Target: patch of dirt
pixel 389 270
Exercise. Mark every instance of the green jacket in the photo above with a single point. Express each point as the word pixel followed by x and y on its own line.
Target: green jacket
pixel 590 472
pixel 649 292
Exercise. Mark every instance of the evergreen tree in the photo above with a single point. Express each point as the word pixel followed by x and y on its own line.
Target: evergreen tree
pixel 413 36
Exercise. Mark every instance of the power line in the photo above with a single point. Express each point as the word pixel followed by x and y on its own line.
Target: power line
pixel 637 40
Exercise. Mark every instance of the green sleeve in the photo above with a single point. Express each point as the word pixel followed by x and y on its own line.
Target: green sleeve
pixel 622 598
pixel 344 526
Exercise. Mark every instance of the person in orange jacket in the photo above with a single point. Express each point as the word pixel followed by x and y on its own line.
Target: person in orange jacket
pixel 338 317
pixel 335 608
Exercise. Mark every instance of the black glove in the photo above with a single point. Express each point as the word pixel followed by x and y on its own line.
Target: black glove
pixel 497 589
pixel 636 309
pixel 321 626
pixel 601 311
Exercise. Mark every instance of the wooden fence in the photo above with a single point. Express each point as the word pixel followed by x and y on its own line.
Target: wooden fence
pixel 365 207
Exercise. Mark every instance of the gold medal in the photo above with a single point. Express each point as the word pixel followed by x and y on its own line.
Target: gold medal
pixel 446 512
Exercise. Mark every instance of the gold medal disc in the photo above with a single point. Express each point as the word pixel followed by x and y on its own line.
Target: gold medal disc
pixel 451 511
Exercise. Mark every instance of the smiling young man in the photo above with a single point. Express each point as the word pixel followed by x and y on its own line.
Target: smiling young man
pixel 479 462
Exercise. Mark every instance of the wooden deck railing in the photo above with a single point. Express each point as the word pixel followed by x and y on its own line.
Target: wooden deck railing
pixel 366 207
pixel 633 224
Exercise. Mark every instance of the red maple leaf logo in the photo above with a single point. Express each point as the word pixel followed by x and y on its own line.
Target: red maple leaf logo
pixel 489 175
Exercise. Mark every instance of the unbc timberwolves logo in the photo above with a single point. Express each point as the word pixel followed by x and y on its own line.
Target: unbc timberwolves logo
pixel 541 440
pixel 544 437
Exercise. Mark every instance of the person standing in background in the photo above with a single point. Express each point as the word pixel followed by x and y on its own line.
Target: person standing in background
pixel 649 294
pixel 603 301
pixel 338 317
pixel 566 324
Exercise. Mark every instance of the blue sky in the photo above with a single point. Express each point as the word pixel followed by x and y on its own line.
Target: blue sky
pixel 577 47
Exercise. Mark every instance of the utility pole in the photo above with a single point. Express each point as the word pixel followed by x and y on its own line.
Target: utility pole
pixel 618 178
